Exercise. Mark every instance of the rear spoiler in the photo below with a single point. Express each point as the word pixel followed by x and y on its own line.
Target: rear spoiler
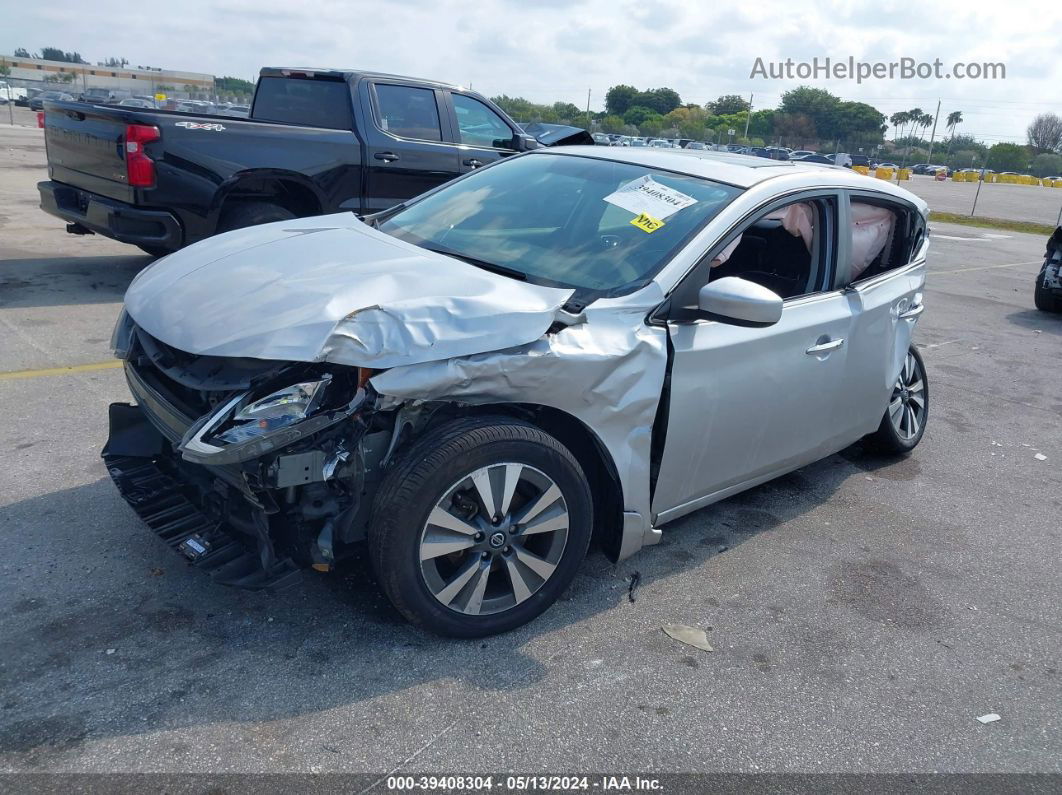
pixel 558 134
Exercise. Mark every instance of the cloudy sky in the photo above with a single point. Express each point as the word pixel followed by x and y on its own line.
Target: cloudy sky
pixel 547 50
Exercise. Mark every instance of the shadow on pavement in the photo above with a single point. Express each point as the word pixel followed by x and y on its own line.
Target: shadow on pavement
pixel 107 633
pixel 67 281
pixel 1037 321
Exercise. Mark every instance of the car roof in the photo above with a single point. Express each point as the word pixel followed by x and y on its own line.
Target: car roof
pixel 742 171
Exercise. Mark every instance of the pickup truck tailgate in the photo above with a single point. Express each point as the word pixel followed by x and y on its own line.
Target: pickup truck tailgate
pixel 86 148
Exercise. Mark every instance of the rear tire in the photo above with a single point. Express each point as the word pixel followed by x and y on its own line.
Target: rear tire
pixel 477 572
pixel 904 422
pixel 243 214
pixel 1045 300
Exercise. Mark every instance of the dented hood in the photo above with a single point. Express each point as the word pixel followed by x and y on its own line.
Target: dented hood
pixel 331 288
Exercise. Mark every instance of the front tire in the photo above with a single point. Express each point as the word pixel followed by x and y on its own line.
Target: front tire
pixel 480 526
pixel 904 422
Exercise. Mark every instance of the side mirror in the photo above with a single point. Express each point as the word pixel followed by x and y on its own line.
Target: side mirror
pixel 739 302
pixel 525 143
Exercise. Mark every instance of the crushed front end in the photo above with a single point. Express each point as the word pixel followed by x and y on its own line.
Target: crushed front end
pixel 252 469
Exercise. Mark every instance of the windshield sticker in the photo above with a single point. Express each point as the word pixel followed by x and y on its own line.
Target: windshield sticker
pixel 646 195
pixel 647 223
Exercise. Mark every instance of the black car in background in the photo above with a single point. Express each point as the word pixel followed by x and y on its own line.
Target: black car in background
pixel 1048 294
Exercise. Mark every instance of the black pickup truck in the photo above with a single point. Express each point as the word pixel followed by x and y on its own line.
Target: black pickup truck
pixel 316 141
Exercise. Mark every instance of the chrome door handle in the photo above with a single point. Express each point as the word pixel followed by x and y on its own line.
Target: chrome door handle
pixel 824 347
pixel 473 162
pixel 914 311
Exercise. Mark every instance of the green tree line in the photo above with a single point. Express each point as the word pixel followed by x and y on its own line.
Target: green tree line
pixel 804 117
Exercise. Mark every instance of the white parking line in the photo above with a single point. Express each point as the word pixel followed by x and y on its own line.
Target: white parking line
pixel 938 344
pixel 983 236
pixel 989 267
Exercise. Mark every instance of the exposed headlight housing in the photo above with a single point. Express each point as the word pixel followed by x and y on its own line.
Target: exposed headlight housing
pixel 122 336
pixel 278 410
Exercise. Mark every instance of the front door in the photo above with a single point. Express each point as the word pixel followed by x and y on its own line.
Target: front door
pixel 482 135
pixel 746 404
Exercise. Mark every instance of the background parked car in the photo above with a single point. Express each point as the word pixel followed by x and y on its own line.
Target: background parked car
pixel 37 103
pixel 96 95
pixel 1048 294
pixel 24 101
pixel 810 157
pixel 133 102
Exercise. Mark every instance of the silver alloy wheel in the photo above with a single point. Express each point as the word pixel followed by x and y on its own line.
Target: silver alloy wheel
pixel 907 407
pixel 494 538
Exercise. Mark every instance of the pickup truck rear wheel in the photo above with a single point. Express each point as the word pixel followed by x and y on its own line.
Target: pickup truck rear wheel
pixel 480 526
pixel 155 251
pixel 242 214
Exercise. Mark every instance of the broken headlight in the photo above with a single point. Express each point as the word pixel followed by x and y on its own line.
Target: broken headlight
pixel 282 408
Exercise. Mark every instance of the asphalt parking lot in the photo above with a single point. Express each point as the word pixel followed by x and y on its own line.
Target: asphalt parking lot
pixel 864 611
pixel 1033 203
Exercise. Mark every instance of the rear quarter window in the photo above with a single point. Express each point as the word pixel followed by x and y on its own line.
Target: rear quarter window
pixel 311 102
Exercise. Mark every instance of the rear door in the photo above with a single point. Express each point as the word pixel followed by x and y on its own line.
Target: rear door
pixel 482 135
pixel 407 134
pixel 886 298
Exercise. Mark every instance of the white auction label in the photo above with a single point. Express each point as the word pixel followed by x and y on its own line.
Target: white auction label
pixel 646 195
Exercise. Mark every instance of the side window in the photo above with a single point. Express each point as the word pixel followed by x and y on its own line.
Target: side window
pixel 408 112
pixel 479 125
pixel 785 250
pixel 313 102
pixel 882 236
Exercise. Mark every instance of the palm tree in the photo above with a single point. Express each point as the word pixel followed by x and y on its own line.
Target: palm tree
pixel 954 120
pixel 926 122
pixel 914 115
pixel 898 119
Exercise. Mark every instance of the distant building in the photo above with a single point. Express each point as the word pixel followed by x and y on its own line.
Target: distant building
pixel 124 80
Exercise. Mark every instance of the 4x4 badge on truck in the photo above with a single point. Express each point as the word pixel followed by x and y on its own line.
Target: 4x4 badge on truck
pixel 194 125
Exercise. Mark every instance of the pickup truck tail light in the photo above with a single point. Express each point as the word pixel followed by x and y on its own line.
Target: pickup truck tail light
pixel 139 168
pixel 40 119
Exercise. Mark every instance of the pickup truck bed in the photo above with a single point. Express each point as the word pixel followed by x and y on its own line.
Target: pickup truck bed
pixel 316 142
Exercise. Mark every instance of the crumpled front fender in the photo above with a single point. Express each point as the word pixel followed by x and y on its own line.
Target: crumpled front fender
pixel 607 372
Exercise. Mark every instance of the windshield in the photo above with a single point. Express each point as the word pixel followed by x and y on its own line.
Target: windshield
pixel 562 220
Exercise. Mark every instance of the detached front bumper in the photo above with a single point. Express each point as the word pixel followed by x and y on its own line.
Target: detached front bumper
pixel 110 218
pixel 189 507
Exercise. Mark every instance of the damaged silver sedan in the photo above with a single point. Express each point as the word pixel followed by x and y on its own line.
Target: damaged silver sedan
pixel 568 344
